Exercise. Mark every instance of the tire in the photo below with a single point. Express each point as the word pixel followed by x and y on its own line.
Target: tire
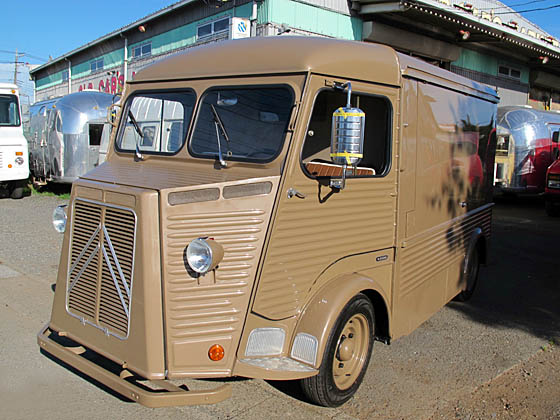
pixel 346 355
pixel 16 190
pixel 472 271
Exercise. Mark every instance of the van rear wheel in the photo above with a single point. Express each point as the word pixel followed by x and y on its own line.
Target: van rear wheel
pixel 346 355
pixel 473 268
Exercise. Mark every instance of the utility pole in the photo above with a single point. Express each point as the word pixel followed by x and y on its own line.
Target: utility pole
pixel 15 68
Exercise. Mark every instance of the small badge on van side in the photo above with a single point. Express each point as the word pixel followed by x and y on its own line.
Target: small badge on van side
pixel 382 258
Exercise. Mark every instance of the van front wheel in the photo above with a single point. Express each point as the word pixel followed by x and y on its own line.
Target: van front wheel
pixel 346 355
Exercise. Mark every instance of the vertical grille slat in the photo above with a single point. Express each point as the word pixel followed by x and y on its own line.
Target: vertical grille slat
pixel 101 265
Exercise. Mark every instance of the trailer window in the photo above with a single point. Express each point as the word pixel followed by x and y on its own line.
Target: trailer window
pixel 95 132
pixel 162 118
pixel 316 148
pixel 243 124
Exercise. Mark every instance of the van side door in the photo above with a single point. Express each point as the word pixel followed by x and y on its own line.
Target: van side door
pixel 317 226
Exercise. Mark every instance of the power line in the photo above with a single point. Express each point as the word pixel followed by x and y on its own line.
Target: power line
pixel 23 54
pixel 529 10
pixel 511 6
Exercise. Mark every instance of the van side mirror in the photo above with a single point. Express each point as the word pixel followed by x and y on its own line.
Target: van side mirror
pixel 555 136
pixel 347 138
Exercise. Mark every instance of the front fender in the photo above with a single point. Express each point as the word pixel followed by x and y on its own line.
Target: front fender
pixel 321 312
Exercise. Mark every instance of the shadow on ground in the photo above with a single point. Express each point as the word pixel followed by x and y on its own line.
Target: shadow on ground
pixel 520 287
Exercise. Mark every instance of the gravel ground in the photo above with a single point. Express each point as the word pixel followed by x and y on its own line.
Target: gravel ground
pixel 460 364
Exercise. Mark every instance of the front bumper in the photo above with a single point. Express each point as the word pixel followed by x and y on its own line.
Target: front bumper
pixel 123 383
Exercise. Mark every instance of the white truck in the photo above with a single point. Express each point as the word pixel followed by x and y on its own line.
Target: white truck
pixel 14 155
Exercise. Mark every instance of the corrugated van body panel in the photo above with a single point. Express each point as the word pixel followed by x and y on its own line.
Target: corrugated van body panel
pixel 308 236
pixel 211 309
pixel 438 248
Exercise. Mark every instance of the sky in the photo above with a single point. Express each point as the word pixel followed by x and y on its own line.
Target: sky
pixel 41 29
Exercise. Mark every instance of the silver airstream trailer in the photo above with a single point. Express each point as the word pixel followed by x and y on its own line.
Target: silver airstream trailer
pixel 65 135
pixel 525 149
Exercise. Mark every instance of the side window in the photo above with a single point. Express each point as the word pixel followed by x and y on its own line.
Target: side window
pixel 377 139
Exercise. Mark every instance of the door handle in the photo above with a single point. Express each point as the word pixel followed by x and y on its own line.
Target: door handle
pixel 292 192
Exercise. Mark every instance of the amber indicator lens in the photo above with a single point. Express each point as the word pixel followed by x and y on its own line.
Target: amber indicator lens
pixel 216 353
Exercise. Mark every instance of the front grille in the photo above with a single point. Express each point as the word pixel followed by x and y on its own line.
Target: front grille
pixel 1 161
pixel 101 264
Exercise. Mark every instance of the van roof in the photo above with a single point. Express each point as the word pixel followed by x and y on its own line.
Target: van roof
pixel 278 55
pixel 8 86
pixel 354 60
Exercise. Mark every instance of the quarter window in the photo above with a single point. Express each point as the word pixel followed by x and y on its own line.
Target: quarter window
pixel 316 148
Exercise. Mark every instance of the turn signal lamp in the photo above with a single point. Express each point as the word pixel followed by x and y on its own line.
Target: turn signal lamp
pixel 19 153
pixel 216 353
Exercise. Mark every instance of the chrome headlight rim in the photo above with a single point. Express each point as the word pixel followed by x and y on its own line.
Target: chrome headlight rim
pixel 59 218
pixel 203 255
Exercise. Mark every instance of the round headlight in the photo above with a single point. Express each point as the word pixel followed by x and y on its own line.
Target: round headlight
pixel 59 218
pixel 19 160
pixel 204 255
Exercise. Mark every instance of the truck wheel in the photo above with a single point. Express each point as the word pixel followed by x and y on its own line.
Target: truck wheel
pixel 472 276
pixel 551 209
pixel 16 189
pixel 346 355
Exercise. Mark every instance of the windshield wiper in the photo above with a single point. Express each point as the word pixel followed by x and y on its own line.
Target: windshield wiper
pixel 137 154
pixel 219 127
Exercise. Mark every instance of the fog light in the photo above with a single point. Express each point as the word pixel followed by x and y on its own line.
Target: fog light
pixel 204 255
pixel 216 353
pixel 59 218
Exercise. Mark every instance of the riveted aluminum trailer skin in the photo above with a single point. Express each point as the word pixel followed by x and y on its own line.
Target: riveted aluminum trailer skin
pixel 237 158
pixel 65 135
pixel 525 149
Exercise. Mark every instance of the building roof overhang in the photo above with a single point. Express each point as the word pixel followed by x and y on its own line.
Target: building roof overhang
pixel 459 22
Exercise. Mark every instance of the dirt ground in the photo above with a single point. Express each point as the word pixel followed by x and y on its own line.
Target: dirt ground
pixel 529 390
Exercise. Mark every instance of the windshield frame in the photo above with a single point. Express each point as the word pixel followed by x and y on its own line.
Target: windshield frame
pixel 127 108
pixel 18 110
pixel 232 87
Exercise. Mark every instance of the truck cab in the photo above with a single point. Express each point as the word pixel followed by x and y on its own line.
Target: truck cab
pixel 14 156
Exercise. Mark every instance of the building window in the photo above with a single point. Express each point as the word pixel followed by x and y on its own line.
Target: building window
pixel 143 50
pixel 97 65
pixel 65 75
pixel 506 71
pixel 213 28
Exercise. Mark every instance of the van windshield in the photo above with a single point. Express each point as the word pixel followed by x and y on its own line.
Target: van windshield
pixel 9 111
pixel 242 124
pixel 156 121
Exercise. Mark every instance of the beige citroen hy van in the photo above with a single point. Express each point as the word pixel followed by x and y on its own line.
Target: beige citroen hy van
pixel 268 209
